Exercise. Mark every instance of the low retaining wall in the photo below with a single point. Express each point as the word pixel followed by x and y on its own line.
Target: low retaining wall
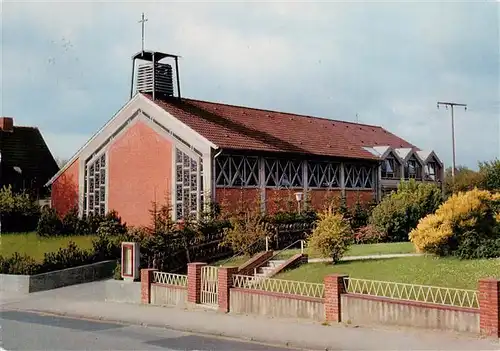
pixel 25 284
pixel 336 300
pixel 370 310
pixel 276 305
pixel 169 295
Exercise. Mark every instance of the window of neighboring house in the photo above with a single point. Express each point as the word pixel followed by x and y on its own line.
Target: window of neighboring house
pixel 412 169
pixel 389 170
pixel 430 170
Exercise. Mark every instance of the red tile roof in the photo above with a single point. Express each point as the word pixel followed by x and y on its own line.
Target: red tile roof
pixel 244 128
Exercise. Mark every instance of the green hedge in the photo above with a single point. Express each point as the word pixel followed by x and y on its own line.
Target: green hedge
pixel 18 212
pixel 104 248
pixel 398 213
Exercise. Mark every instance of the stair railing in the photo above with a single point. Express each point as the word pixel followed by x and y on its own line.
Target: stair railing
pixel 239 253
pixel 302 244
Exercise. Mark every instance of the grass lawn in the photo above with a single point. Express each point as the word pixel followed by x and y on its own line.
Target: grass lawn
pixel 355 250
pixel 425 270
pixel 361 250
pixel 235 261
pixel 35 246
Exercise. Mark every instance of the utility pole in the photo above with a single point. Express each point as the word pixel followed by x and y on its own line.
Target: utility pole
pixel 452 105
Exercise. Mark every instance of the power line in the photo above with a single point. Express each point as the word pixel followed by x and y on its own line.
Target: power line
pixel 452 105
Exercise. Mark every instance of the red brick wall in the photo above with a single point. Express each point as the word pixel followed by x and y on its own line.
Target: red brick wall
pixel 319 198
pixel 365 196
pixel 139 171
pixel 334 288
pixel 194 281
pixel 65 189
pixel 237 199
pixel 225 282
pixel 234 200
pixel 146 281
pixel 282 199
pixel 489 304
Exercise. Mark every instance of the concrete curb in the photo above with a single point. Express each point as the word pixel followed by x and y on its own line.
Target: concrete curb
pixel 207 332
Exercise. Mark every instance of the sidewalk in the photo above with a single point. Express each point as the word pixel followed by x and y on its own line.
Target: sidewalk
pixel 301 334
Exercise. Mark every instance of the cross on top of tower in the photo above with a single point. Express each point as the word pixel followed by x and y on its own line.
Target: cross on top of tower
pixel 142 22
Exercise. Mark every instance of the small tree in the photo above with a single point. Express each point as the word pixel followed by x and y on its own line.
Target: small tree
pixel 332 235
pixel 246 235
pixel 491 174
pixel 398 213
pixel 465 179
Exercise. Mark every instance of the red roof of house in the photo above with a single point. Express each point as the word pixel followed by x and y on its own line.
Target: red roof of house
pixel 244 128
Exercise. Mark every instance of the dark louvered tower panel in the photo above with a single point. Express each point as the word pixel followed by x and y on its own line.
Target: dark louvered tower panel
pixel 161 83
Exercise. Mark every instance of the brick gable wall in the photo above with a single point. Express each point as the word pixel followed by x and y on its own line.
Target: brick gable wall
pixel 65 189
pixel 140 171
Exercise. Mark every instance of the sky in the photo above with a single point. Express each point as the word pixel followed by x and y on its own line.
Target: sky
pixel 66 66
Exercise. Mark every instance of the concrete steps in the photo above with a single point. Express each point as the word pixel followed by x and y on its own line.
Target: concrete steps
pixel 267 270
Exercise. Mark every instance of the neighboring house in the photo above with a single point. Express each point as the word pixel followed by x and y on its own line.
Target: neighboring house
pixel 26 162
pixel 189 151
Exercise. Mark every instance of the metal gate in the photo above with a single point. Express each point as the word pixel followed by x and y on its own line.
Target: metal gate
pixel 209 285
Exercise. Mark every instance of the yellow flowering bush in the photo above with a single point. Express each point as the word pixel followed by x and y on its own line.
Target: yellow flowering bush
pixel 466 225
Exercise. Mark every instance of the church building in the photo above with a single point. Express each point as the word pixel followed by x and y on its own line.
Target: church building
pixel 163 147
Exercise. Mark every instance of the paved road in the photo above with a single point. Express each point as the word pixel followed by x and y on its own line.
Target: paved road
pixel 33 331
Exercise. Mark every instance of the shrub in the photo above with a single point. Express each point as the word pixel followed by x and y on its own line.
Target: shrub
pixel 368 234
pixel 18 212
pixel 466 225
pixel 398 213
pixel 90 223
pixel 110 234
pixel 71 222
pixel 111 225
pixel 491 174
pixel 104 248
pixel 49 224
pixel 70 256
pixel 246 235
pixel 332 236
pixel 465 180
pixel 285 217
pixel 359 215
pixel 117 273
pixel 18 264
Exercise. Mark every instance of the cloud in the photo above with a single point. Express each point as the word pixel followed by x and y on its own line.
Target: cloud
pixel 69 63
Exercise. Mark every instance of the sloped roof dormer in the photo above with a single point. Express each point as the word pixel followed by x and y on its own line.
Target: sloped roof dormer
pixel 406 153
pixel 426 156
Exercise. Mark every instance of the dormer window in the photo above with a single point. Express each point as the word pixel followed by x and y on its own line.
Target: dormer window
pixel 430 170
pixel 389 168
pixel 412 168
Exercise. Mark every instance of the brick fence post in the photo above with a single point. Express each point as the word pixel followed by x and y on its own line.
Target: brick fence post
pixel 146 281
pixel 225 282
pixel 489 307
pixel 334 288
pixel 194 281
